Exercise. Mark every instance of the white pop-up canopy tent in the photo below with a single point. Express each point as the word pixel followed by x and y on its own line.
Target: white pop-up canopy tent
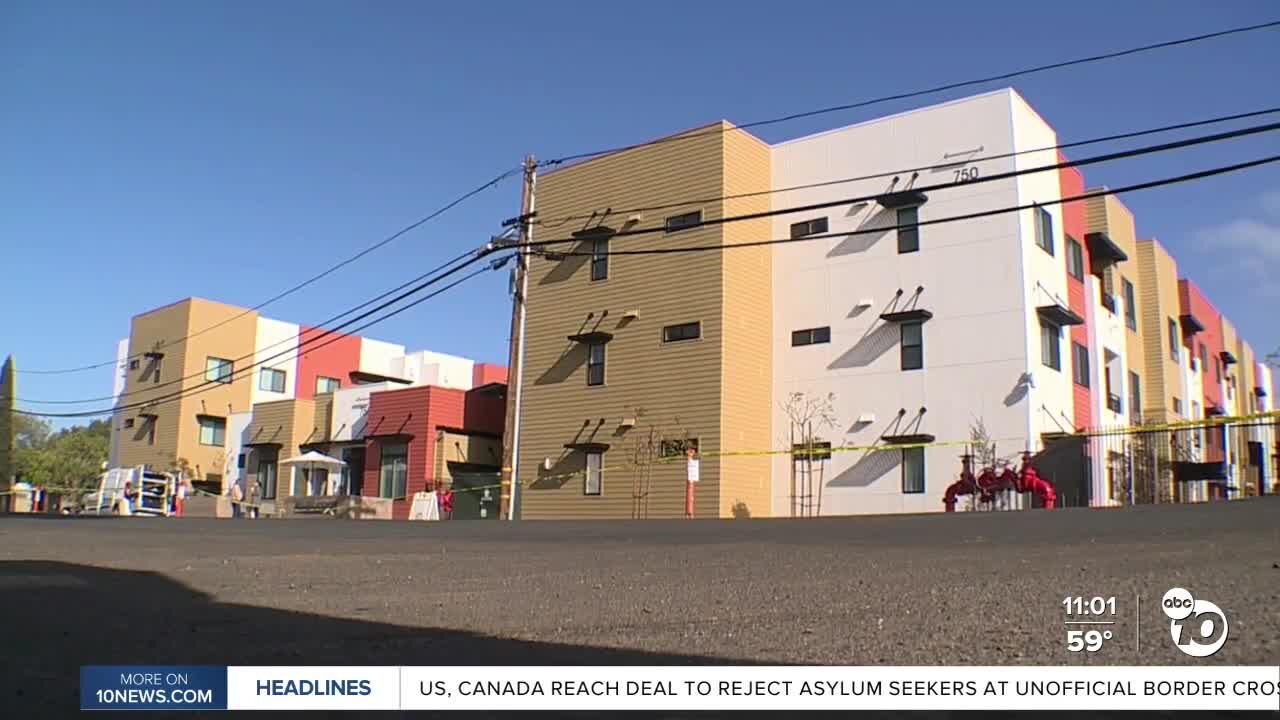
pixel 317 483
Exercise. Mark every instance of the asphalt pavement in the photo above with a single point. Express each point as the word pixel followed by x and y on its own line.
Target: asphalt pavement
pixel 966 588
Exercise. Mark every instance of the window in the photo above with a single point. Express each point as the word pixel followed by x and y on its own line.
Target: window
pixel 1130 305
pixel 1113 400
pixel 1177 407
pixel 327 384
pixel 1135 396
pixel 1204 358
pixel 240 459
pixel 600 259
pixel 676 223
pixel 912 345
pixel 271 380
pixel 1080 364
pixel 1050 353
pixel 809 227
pixel 1075 258
pixel 218 370
pixel 676 447
pixel 1044 230
pixel 1173 339
pixel 133 364
pixel 393 471
pixel 913 470
pixel 268 476
pixel 685 331
pixel 151 431
pixel 812 336
pixel 908 231
pixel 1217 369
pixel 593 484
pixel 595 364
pixel 213 431
pixel 155 371
pixel 128 423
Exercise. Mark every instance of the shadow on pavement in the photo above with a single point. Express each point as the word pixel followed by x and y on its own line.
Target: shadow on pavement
pixel 59 616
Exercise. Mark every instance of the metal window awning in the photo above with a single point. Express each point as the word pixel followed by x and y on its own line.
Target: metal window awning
pixel 1103 251
pixel 906 316
pixel 1260 392
pixel 153 354
pixel 902 198
pixel 366 378
pixel 389 436
pixel 587 447
pixel 210 416
pixel 1059 315
pixel 594 233
pixel 1227 357
pixel 592 338
pixel 262 445
pixel 469 433
pixel 1190 324
pixel 1214 411
pixel 912 439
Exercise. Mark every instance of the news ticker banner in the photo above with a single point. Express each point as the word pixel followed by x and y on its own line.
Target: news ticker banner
pixel 679 688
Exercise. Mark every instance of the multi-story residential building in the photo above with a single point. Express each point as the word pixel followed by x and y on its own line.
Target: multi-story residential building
pixel 1014 329
pixel 199 368
pixel 394 441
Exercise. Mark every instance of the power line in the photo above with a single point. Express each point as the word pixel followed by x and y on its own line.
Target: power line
pixel 152 388
pixel 315 278
pixel 557 222
pixel 1222 170
pixel 917 93
pixel 210 384
pixel 1108 157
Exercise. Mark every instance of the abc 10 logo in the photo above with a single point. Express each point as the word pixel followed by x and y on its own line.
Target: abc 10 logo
pixel 1199 627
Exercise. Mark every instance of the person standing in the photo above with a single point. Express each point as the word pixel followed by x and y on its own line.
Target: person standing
pixel 237 496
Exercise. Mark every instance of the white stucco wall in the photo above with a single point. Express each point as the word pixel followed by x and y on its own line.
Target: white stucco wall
pixel 431 368
pixel 237 426
pixel 274 337
pixel 377 356
pixel 976 346
pixel 351 408
pixel 117 388
pixel 1050 401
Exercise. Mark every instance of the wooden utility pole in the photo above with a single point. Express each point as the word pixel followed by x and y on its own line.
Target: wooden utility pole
pixel 515 364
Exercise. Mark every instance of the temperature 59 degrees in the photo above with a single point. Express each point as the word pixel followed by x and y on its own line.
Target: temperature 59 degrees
pixel 1086 640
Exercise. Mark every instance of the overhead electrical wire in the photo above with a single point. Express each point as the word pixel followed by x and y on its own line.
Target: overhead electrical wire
pixel 146 389
pixel 1108 157
pixel 313 279
pixel 918 93
pixel 563 219
pixel 211 384
pixel 1100 192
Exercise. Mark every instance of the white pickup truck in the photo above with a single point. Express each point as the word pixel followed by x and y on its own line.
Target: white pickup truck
pixel 131 491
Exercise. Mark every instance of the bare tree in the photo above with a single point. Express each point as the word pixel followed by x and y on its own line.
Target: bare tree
pixel 808 415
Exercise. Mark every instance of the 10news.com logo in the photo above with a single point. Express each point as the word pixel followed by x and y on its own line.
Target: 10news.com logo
pixel 1199 627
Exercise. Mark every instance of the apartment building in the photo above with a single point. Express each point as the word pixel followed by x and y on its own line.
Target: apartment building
pixel 191 374
pixel 1017 328
pixel 394 440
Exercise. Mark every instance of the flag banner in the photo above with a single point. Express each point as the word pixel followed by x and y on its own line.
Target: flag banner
pixel 665 688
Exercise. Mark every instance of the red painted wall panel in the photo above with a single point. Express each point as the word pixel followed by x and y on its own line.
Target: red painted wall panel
pixel 1075 224
pixel 419 413
pixel 485 373
pixel 334 355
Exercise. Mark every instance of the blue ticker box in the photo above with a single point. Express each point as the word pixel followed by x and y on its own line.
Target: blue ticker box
pixel 153 687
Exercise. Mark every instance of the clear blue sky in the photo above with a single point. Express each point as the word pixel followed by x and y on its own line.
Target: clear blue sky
pixel 151 151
